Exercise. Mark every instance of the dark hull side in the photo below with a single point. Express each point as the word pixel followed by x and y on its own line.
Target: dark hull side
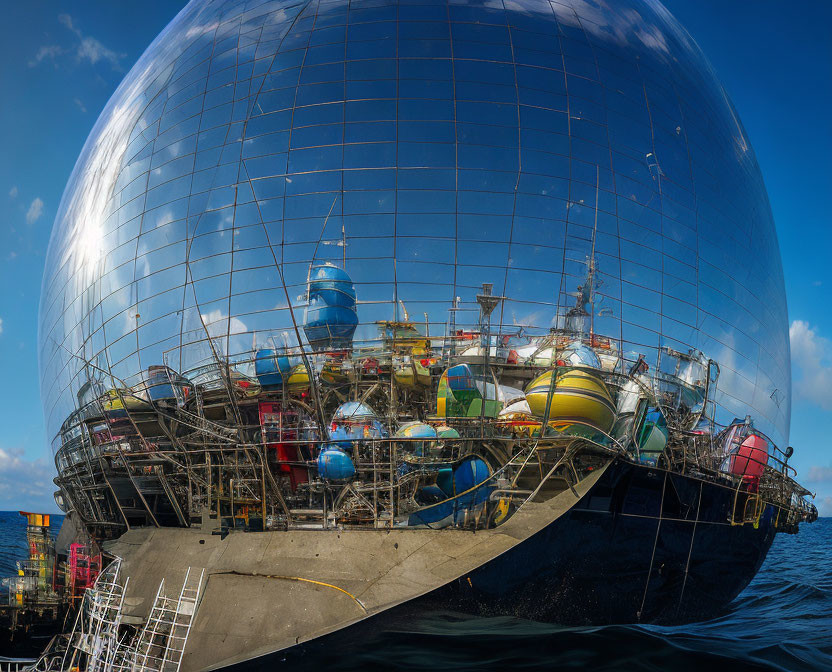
pixel 642 546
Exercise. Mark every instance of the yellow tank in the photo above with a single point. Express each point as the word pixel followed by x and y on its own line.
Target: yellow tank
pixel 298 379
pixel 578 396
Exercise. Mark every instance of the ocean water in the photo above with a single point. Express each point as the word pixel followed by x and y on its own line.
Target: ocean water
pixel 782 622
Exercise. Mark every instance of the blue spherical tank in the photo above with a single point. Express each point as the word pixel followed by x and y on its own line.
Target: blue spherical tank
pixel 335 465
pixel 469 473
pixel 333 285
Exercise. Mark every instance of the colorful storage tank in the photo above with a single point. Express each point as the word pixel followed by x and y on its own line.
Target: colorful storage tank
pixel 354 421
pixel 465 499
pixel 576 395
pixel 335 465
pixel 460 394
pixel 651 436
pixel 445 432
pixel 471 472
pixel 416 430
pixel 298 378
pixel 750 459
pixel 330 318
pixel 271 368
pixel 577 353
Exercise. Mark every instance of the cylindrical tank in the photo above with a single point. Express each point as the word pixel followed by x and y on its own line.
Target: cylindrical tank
pixel 270 368
pixel 333 285
pixel 576 395
pixel 330 318
pixel 652 436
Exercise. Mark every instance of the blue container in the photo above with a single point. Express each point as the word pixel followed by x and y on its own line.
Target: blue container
pixel 335 465
pixel 466 475
pixel 332 285
pixel 329 326
pixel 270 368
pixel 330 318
pixel 469 473
pixel 445 481
pixel 343 437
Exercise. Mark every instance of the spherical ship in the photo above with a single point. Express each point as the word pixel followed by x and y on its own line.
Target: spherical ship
pixel 529 242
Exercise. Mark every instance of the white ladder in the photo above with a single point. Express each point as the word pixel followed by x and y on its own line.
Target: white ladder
pixel 161 643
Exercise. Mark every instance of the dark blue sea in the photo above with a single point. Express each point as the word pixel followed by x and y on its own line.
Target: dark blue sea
pixel 783 621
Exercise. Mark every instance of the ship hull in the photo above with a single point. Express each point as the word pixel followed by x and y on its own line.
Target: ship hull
pixel 636 545
pixel 642 546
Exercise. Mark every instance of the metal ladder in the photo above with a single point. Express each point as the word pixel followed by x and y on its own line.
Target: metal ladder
pixel 161 643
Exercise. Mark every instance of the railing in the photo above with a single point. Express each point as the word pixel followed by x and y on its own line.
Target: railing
pixel 16 664
pixel 209 462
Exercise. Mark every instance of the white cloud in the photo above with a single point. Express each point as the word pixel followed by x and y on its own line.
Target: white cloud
pixel 35 211
pixel 13 192
pixel 46 52
pixel 25 484
pixel 1 325
pixel 825 506
pixel 609 23
pixel 811 358
pixel 80 105
pixel 818 474
pixel 89 48
pixel 216 323
pixel 66 19
pixel 93 51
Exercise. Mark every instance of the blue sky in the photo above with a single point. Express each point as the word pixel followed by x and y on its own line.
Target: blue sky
pixel 61 62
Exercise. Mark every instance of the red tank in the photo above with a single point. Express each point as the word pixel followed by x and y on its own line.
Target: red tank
pixel 750 460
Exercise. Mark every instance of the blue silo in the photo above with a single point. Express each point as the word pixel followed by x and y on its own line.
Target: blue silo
pixel 330 318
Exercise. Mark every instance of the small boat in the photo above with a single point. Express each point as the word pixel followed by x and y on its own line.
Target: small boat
pixel 117 403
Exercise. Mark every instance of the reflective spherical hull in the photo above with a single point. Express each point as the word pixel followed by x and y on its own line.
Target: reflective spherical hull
pixel 425 149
